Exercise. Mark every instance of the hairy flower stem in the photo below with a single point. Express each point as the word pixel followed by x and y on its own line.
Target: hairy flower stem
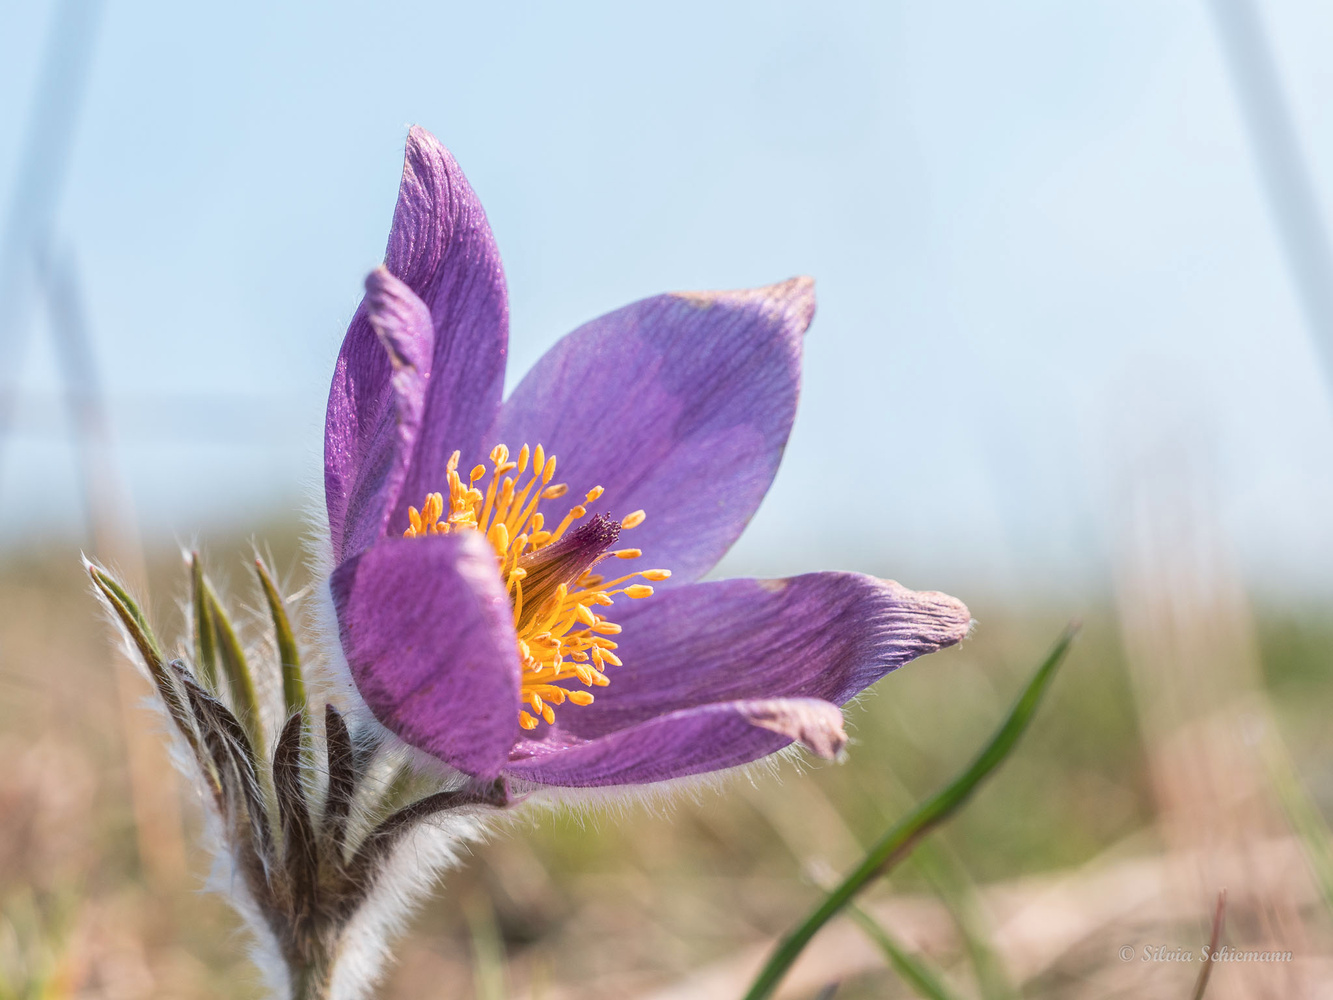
pixel 311 981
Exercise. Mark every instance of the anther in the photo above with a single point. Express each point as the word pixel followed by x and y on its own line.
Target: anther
pixel 547 573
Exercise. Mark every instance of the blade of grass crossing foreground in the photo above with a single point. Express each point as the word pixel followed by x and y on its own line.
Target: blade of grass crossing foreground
pixel 916 974
pixel 955 888
pixel 488 960
pixel 1206 972
pixel 899 841
pixel 1302 813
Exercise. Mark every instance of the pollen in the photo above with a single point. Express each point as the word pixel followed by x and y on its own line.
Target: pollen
pixel 548 573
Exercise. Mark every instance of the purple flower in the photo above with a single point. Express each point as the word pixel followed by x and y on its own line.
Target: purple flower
pixel 469 621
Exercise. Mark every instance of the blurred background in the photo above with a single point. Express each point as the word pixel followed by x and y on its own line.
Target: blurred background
pixel 1072 357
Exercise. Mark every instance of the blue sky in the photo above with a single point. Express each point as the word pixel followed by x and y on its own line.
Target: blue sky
pixel 1041 251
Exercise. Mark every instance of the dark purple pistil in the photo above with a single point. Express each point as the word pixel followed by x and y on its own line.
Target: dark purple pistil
pixel 564 562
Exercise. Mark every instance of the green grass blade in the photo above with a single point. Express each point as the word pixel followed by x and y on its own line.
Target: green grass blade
pixel 205 638
pixel 958 893
pixel 488 958
pixel 916 974
pixel 293 685
pixel 1206 972
pixel 899 841
pixel 231 655
pixel 1303 814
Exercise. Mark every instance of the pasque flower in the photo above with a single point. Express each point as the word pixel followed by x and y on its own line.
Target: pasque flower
pixel 516 581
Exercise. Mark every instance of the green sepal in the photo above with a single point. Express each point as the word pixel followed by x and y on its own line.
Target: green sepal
pixel 293 685
pixel 240 682
pixel 136 624
pixel 205 636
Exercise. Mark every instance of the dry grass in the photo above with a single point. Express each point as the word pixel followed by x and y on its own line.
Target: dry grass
pixel 1114 824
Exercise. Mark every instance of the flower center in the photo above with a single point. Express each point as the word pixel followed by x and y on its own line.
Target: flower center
pixel 548 574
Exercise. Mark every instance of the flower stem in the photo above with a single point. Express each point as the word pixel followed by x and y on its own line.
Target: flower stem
pixel 311 982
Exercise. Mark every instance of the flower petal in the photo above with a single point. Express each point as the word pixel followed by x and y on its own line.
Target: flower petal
pixel 441 247
pixel 815 724
pixel 404 336
pixel 428 633
pixel 679 405
pixel 821 635
pixel 692 741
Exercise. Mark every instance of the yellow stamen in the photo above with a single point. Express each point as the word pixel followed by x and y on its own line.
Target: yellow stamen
pixel 574 514
pixel 499 537
pixel 560 639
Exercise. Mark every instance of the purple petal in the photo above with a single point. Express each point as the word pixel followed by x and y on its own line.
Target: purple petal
pixel 428 633
pixel 692 741
pixel 679 405
pixel 441 247
pixel 822 635
pixel 815 724
pixel 404 336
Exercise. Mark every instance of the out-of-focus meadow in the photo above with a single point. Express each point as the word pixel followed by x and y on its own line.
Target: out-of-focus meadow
pixel 1074 293
pixel 1184 749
